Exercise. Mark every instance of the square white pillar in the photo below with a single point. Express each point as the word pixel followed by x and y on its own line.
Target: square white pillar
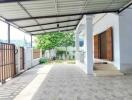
pixel 88 44
pixel 76 47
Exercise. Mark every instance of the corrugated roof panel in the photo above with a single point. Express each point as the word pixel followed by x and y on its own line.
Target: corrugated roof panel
pixel 38 32
pixel 42 13
pixel 52 30
pixel 12 10
pixel 38 8
pixel 25 23
pixel 36 2
pixel 46 20
pixel 116 5
pixel 32 28
pixel 67 28
pixel 49 26
pixel 69 23
pixel 13 16
pixel 41 7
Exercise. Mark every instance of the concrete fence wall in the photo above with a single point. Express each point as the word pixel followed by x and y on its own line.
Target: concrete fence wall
pixel 36 55
pixel 29 61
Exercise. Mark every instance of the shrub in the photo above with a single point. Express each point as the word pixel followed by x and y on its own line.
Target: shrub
pixel 43 60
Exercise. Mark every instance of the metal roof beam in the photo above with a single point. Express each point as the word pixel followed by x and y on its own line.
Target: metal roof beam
pixel 65 15
pixel 53 28
pixel 50 23
pixel 9 1
pixel 53 31
pixel 125 7
pixel 28 13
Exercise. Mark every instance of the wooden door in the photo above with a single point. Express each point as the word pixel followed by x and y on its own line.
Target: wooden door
pixel 96 46
pixel 103 44
pixel 109 37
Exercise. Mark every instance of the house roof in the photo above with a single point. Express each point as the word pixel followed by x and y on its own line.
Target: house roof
pixel 40 16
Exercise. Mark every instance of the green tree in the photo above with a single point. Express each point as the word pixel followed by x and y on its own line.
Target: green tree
pixel 55 39
pixel 49 40
pixel 68 40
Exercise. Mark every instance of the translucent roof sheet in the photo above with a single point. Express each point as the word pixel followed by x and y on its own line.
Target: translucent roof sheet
pixel 36 16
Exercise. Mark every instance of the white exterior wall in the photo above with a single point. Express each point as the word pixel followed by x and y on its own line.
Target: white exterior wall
pixel 125 26
pixel 28 57
pixel 35 61
pixel 50 53
pixel 103 22
pixel 29 62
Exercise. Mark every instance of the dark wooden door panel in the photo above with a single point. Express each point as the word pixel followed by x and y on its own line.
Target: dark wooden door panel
pixel 109 36
pixel 103 46
pixel 96 46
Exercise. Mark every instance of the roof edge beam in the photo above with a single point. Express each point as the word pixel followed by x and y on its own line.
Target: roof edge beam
pixel 52 16
pixel 53 28
pixel 125 7
pixel 51 23
pixel 53 31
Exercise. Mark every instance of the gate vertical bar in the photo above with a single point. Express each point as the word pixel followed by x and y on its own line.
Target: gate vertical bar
pixel 8 33
pixel 14 60
pixel 2 63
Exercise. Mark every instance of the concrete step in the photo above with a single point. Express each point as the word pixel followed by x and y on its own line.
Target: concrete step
pixel 106 70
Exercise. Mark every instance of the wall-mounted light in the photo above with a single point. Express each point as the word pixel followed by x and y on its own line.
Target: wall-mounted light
pixel 58 27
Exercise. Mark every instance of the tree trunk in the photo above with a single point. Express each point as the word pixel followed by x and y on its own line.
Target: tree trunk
pixel 49 54
pixel 66 54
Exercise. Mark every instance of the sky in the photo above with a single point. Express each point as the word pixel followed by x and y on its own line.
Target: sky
pixel 16 34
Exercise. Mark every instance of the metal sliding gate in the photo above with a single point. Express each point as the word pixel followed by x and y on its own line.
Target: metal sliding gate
pixel 7 61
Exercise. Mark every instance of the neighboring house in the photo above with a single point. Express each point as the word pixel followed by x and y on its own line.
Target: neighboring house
pixel 53 53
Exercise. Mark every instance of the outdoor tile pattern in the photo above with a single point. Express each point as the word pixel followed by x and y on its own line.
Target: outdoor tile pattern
pixel 69 82
pixel 14 86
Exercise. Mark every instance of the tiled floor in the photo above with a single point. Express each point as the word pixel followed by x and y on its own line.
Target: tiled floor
pixel 68 82
pixel 14 86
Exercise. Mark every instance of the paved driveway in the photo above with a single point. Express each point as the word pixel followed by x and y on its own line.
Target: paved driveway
pixel 68 82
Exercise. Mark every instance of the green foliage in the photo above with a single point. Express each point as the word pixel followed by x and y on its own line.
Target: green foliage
pixel 68 40
pixel 55 39
pixel 43 60
pixel 60 52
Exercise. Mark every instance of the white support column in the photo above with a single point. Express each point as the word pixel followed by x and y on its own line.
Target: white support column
pixel 77 47
pixel 88 44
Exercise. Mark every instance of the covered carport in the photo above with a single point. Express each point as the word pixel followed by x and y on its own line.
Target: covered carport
pixel 37 17
pixel 40 16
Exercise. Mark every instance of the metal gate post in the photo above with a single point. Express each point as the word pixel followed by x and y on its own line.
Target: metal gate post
pixel 9 33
